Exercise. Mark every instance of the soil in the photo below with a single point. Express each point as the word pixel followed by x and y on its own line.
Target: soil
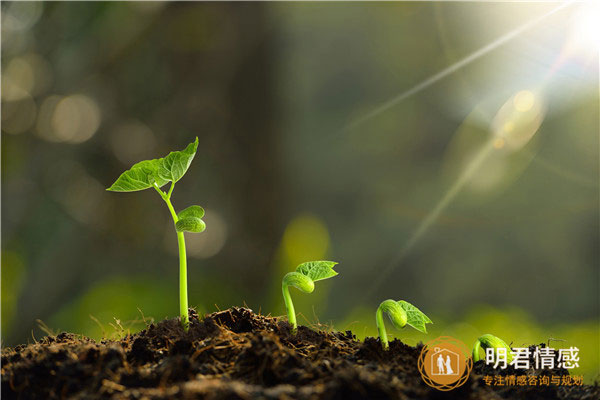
pixel 236 354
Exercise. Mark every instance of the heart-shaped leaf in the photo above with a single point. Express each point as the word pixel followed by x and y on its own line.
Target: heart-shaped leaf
pixel 190 224
pixel 139 177
pixel 144 174
pixel 191 211
pixel 414 316
pixel 317 270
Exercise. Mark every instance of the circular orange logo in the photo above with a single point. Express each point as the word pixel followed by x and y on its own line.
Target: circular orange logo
pixel 445 363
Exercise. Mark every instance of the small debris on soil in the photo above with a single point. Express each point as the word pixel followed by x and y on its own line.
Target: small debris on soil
pixel 236 354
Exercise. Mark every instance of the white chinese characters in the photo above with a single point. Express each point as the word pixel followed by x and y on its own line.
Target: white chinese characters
pixel 540 358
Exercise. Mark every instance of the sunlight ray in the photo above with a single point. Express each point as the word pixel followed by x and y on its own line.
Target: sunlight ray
pixel 452 68
pixel 433 215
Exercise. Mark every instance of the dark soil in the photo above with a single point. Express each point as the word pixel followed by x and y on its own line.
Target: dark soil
pixel 236 354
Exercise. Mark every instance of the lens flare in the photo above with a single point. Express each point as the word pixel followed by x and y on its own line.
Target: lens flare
pixel 518 120
pixel 524 101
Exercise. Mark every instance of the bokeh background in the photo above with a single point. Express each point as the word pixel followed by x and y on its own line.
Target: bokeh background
pixel 325 133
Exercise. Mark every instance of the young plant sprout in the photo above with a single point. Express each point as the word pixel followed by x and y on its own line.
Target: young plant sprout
pixel 401 313
pixel 488 341
pixel 155 174
pixel 304 278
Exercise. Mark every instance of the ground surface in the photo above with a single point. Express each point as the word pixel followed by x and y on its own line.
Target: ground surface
pixel 236 354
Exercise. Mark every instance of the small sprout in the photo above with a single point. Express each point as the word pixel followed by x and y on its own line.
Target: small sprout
pixel 155 174
pixel 488 341
pixel 401 313
pixel 304 278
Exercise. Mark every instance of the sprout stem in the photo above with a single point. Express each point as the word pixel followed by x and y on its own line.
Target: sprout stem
pixel 289 306
pixel 183 296
pixel 476 348
pixel 381 328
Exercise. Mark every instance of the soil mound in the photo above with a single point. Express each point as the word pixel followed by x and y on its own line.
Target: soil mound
pixel 236 354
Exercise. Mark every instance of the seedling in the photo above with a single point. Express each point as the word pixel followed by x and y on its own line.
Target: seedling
pixel 401 313
pixel 156 174
pixel 488 341
pixel 304 278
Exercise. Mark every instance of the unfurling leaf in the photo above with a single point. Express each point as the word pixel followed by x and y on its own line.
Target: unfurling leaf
pixel 299 281
pixel 415 317
pixel 190 224
pixel 317 270
pixel 395 312
pixel 191 211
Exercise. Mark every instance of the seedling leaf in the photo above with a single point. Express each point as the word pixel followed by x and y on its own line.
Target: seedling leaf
pixel 174 166
pixel 395 312
pixel 191 211
pixel 140 176
pixel 190 224
pixel 414 316
pixel 317 270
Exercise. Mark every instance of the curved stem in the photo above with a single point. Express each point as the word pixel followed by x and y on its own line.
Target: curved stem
pixel 476 349
pixel 289 306
pixel 381 328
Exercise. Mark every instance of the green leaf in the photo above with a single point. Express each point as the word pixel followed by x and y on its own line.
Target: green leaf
pixel 175 165
pixel 144 174
pixel 414 316
pixel 190 224
pixel 317 270
pixel 191 211
pixel 140 176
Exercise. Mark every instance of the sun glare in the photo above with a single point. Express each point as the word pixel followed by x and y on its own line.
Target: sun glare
pixel 585 29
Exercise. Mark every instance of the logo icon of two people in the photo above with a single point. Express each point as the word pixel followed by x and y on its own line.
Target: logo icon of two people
pixel 444 364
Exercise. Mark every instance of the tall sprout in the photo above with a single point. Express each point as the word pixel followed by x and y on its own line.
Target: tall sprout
pixel 155 174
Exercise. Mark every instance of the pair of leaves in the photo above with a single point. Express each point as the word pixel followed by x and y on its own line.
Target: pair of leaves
pixel 414 316
pixel 317 270
pixel 145 174
pixel 189 220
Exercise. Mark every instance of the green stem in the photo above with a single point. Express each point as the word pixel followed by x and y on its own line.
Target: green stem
pixel 381 328
pixel 183 295
pixel 289 306
pixel 476 349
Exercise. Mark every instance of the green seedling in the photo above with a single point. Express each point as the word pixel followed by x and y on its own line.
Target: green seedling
pixel 304 278
pixel 156 174
pixel 401 313
pixel 488 341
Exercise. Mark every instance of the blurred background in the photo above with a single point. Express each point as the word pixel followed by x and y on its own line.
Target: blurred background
pixel 443 153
